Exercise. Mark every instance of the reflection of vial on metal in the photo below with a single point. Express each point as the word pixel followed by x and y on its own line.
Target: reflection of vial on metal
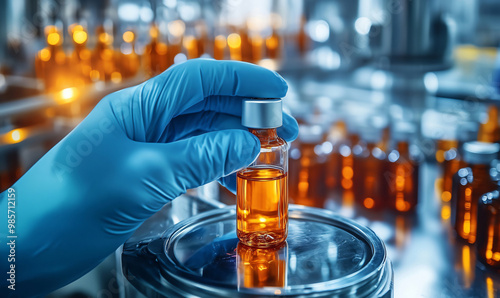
pixel 262 189
pixel 262 267
pixel 488 229
pixel 469 184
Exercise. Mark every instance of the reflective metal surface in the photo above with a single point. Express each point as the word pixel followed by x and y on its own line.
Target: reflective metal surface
pixel 326 256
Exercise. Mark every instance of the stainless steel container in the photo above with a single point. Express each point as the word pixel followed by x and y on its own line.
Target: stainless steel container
pixel 326 256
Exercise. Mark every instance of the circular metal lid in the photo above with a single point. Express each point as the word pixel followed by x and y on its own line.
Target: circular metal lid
pixel 262 113
pixel 325 255
pixel 480 152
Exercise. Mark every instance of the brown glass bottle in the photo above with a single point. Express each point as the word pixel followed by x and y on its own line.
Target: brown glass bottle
pixel 403 178
pixel 307 172
pixel 370 187
pixel 488 229
pixel 452 158
pixel 262 188
pixel 469 184
pixel 337 138
pixel 402 173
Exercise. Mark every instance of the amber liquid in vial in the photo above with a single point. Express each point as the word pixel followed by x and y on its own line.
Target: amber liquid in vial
pixel 262 212
pixel 470 183
pixel 488 229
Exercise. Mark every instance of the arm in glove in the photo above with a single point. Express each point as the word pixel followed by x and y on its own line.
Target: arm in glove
pixel 137 150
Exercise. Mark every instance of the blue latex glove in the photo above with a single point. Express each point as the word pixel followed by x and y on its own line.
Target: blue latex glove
pixel 137 150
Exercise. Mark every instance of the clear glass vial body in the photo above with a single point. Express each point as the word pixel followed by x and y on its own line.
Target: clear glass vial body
pixel 262 194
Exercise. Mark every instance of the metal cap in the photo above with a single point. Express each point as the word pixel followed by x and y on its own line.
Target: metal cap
pixel 262 113
pixel 480 152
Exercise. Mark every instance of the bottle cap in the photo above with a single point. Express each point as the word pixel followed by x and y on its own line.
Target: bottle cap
pixel 480 152
pixel 262 113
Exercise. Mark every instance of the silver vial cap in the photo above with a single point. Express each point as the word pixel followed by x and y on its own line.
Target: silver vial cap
pixel 262 113
pixel 480 152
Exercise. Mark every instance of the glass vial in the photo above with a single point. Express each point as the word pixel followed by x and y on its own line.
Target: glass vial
pixel 488 229
pixel 262 188
pixel 308 168
pixel 402 173
pixel 369 166
pixel 469 184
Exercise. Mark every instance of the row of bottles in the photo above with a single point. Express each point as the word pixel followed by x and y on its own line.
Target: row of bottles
pixel 59 70
pixel 475 214
pixel 111 60
pixel 379 174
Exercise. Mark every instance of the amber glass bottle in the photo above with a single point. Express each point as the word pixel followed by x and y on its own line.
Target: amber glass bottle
pixel 369 183
pixel 308 168
pixel 469 184
pixel 402 175
pixel 261 267
pixel 262 188
pixel 488 229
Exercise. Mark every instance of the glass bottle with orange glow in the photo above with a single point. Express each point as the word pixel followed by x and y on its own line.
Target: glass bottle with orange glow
pixel 452 159
pixel 469 184
pixel 80 57
pixel 155 53
pixel 369 181
pixel 488 229
pixel 127 59
pixel 308 168
pixel 103 60
pixel 402 174
pixel 262 188
pixel 489 131
pixel 261 267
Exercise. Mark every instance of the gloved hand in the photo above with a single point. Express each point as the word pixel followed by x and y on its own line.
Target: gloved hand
pixel 139 148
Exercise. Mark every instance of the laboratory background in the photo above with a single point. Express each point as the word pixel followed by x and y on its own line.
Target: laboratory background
pixel 394 170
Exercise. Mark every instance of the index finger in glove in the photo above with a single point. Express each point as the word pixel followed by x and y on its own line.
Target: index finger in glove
pixel 189 83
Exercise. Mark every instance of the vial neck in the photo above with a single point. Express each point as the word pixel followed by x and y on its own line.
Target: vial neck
pixel 265 135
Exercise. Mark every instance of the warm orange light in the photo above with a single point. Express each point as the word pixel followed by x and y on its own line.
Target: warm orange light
pixel 94 75
pixel 490 287
pixel 128 36
pixel 234 40
pixel 446 196
pixel 80 36
pixel 45 54
pixel 272 42
pixel 176 28
pixel 15 135
pixel 346 183
pixel 466 264
pixel 53 38
pixel 105 38
pixel 67 95
pixel 445 212
pixel 369 203
pixel 153 32
pixel 347 172
pixel 161 49
pixel 220 41
pixel 116 77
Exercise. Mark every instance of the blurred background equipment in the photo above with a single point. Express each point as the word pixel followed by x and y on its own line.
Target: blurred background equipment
pixel 389 96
